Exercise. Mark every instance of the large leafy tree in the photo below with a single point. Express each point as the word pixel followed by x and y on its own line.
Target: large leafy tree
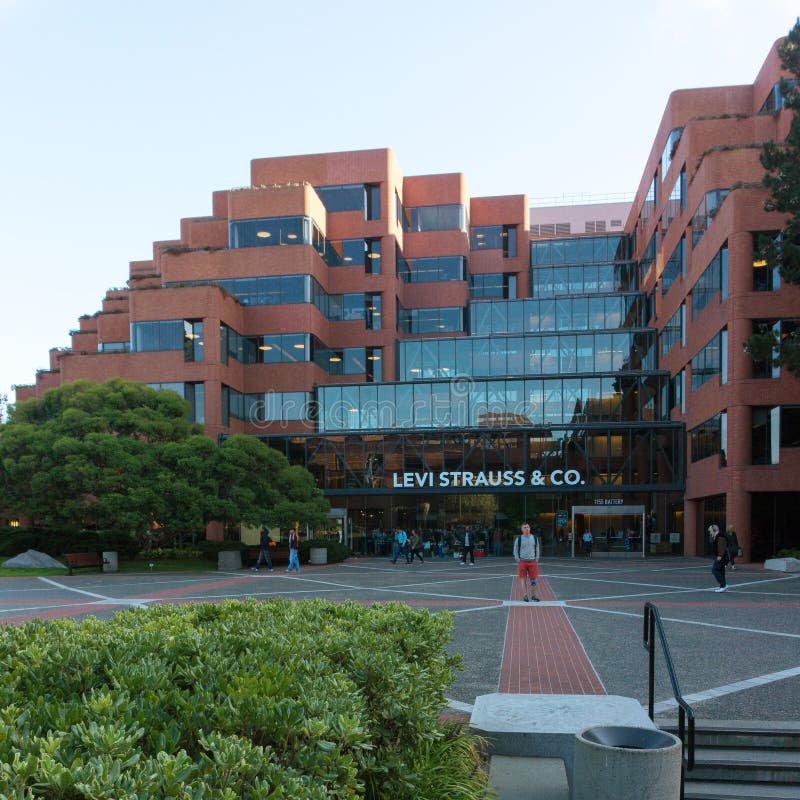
pixel 259 487
pixel 88 454
pixel 119 455
pixel 781 160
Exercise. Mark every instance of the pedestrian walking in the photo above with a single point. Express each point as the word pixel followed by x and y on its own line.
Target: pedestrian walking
pixel 263 554
pixel 468 549
pixel 294 551
pixel 587 539
pixel 719 551
pixel 734 550
pixel 413 545
pixel 400 548
pixel 526 554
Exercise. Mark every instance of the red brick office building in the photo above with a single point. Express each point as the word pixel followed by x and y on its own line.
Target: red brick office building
pixel 411 344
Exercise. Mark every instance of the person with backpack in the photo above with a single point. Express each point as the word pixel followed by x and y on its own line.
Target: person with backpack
pixel 526 554
pixel 263 555
pixel 294 551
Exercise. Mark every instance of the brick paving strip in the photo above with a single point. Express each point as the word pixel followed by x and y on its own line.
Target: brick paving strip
pixel 542 653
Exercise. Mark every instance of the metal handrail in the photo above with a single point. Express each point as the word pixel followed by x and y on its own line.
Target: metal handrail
pixel 652 622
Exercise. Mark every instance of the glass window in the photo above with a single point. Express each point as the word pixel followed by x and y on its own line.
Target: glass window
pixel 765 278
pixel 707 362
pixel 431 270
pixel 349 197
pixel 706 439
pixel 713 281
pixel 481 356
pixel 113 347
pixel 480 318
pixel 777 96
pixel 649 204
pixel 490 285
pixel 387 416
pixel 674 331
pixel 648 257
pixel 765 438
pixel 705 213
pixel 269 232
pixel 405 401
pixel 790 426
pixel 161 335
pixel 431 320
pixel 675 266
pixel 673 139
pixel 194 393
pixel 495 237
pixel 373 192
pixel 422 405
pixel 437 218
pixel 447 358
pixel 516 355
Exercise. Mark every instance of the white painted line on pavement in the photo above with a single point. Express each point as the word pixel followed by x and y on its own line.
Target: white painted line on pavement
pixel 102 598
pixel 730 688
pixel 688 622
pixel 499 604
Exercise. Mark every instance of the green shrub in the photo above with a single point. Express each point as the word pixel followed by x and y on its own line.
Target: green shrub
pixel 336 551
pixel 788 553
pixel 305 700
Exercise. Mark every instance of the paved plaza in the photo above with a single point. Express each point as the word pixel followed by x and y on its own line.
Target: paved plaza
pixel 737 654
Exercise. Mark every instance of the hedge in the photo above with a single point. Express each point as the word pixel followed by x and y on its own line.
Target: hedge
pixel 302 700
pixel 57 541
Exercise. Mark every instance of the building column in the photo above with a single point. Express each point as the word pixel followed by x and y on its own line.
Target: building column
pixel 690 528
pixel 738 508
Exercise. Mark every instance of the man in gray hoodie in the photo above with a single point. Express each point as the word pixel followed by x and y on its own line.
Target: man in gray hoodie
pixel 526 554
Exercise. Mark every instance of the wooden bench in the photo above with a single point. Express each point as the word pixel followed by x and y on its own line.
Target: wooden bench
pixel 80 560
pixel 280 553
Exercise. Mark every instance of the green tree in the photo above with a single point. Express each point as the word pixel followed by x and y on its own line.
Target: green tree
pixel 259 487
pixel 781 160
pixel 87 454
pixel 119 455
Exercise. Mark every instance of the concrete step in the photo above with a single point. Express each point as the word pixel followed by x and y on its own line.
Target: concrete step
pixel 528 778
pixel 741 733
pixel 743 760
pixel 705 790
pixel 751 766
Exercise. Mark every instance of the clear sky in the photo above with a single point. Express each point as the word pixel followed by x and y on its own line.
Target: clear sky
pixel 119 118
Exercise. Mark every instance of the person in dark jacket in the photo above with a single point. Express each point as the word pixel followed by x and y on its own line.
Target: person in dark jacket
pixel 264 554
pixel 733 545
pixel 719 551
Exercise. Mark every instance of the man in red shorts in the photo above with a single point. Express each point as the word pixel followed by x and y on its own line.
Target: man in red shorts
pixel 526 554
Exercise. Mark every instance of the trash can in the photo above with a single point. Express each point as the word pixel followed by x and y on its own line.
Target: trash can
pixel 318 555
pixel 110 561
pixel 229 559
pixel 614 762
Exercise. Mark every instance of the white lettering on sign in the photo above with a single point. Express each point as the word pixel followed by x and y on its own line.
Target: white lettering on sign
pixel 491 479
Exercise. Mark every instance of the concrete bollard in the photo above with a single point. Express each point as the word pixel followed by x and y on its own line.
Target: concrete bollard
pixel 318 555
pixel 621 763
pixel 229 559
pixel 110 561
